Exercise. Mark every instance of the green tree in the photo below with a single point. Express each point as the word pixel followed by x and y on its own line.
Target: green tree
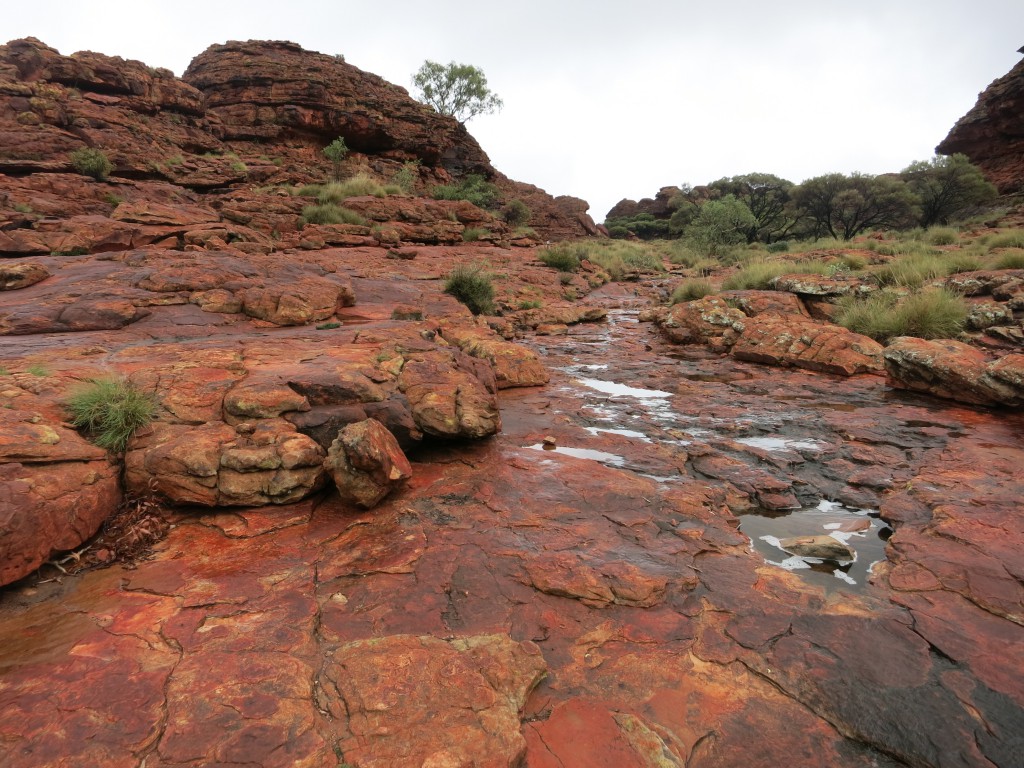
pixel 766 196
pixel 947 187
pixel 335 152
pixel 456 90
pixel 720 224
pixel 844 206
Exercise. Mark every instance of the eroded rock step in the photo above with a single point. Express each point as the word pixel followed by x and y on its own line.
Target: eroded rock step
pixel 417 634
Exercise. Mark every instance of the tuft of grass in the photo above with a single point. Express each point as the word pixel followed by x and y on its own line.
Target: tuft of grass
pixel 943 236
pixel 111 410
pixel 564 257
pixel 1012 259
pixel 564 278
pixel 38 369
pixel 360 185
pixel 930 314
pixel 780 246
pixel 912 271
pixel 1007 240
pixel 690 290
pixel 473 287
pixel 331 214
pixel 758 275
pixel 93 162
pixel 530 304
pixel 328 326
pixel 472 234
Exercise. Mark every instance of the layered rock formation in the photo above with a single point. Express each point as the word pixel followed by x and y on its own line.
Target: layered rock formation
pixel 992 133
pixel 209 130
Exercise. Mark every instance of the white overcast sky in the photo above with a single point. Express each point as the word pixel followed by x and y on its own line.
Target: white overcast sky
pixel 605 100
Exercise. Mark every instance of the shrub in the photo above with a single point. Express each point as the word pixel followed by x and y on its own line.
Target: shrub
pixel 335 152
pixel 406 176
pixel 111 410
pixel 565 278
pixel 930 314
pixel 525 232
pixel 682 254
pixel 943 236
pixel 619 233
pixel 89 161
pixel 692 290
pixel 516 213
pixel 779 247
pixel 473 188
pixel 563 257
pixel 618 257
pixel 331 214
pixel 1011 259
pixel 473 287
pixel 472 234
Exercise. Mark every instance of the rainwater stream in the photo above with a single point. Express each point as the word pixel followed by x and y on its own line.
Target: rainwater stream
pixel 634 390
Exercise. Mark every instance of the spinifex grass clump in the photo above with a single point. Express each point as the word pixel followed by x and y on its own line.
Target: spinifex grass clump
pixel 331 214
pixel 935 313
pixel 111 410
pixel 473 287
pixel 691 290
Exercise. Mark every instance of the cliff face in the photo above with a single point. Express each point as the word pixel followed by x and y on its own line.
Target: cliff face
pixel 244 113
pixel 992 133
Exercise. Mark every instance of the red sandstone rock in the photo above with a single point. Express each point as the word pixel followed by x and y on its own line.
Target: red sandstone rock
pixel 366 463
pixel 15 276
pixel 786 340
pixel 707 321
pixel 956 371
pixel 990 134
pixel 514 365
pixel 449 396
pixel 754 303
pixel 384 689
pixel 56 489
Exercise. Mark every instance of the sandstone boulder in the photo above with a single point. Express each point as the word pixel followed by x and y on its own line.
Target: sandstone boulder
pixel 366 463
pixel 451 395
pixel 789 340
pixel 514 365
pixel 14 276
pixel 707 321
pixel 955 371
pixel 824 547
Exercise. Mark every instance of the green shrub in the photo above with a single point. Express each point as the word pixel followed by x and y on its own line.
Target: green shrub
pixel 472 234
pixel 516 213
pixel 474 188
pixel 1011 259
pixel 682 254
pixel 335 152
pixel 331 214
pixel 692 290
pixel 473 287
pixel 563 257
pixel 778 247
pixel 943 236
pixel 565 278
pixel 525 232
pixel 962 262
pixel 328 326
pixel 111 410
pixel 618 257
pixel 930 314
pixel 619 233
pixel 406 176
pixel 89 161
pixel 530 304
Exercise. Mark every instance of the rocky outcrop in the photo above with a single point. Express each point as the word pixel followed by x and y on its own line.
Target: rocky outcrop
pixel 243 113
pixel 955 371
pixel 992 133
pixel 707 321
pixel 659 206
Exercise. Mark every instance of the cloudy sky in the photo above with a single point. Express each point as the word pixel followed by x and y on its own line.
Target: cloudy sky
pixel 605 100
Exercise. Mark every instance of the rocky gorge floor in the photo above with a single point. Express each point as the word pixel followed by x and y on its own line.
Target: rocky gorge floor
pixel 579 589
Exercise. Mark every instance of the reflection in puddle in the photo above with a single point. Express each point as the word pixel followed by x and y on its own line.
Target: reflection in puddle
pixel 614 388
pixel 583 453
pixel 781 443
pixel 622 432
pixel 833 519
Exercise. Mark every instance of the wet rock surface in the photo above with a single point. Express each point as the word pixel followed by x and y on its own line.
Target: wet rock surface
pixel 579 589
